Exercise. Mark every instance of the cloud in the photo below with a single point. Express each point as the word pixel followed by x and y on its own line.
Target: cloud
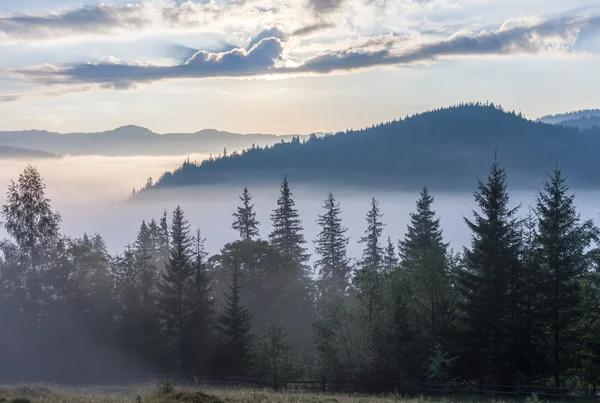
pixel 274 32
pixel 508 39
pixel 112 73
pixel 309 29
pixel 106 19
pixel 325 6
pixel 266 56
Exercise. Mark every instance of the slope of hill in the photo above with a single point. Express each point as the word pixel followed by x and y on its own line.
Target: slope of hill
pixel 135 140
pixel 571 118
pixel 7 152
pixel 446 148
pixel 584 122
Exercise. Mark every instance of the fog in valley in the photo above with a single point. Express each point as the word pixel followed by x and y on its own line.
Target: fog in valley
pixel 91 193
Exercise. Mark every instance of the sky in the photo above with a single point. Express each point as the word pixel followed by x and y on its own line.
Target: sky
pixel 288 66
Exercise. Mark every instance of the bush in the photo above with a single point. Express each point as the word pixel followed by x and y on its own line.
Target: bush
pixel 166 386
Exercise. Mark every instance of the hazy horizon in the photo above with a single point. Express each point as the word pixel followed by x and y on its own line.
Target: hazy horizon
pixel 91 194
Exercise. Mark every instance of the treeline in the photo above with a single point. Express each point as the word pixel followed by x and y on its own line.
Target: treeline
pixel 520 304
pixel 444 148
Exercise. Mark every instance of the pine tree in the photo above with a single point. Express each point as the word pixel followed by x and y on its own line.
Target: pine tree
pixel 373 253
pixel 146 269
pixel 331 246
pixel 234 323
pixel 245 218
pixel 485 280
pixel 390 260
pixel 202 301
pixel 287 236
pixel 164 240
pixel 368 279
pixel 563 240
pixel 423 233
pixel 176 281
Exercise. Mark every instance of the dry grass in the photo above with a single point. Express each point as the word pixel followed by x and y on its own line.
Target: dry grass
pixel 148 394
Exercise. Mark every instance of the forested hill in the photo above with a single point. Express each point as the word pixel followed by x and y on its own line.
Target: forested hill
pixel 445 148
pixel 7 152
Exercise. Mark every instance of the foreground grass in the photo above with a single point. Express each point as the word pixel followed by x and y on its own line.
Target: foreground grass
pixel 149 394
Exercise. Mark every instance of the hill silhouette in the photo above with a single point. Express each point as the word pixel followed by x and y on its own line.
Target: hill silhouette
pixel 135 140
pixel 446 148
pixel 7 152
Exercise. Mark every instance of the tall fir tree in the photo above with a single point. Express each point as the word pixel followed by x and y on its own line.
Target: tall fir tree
pixel 235 323
pixel 177 279
pixel 331 245
pixel 368 279
pixel 203 310
pixel 390 259
pixel 287 235
pixel 245 221
pixel 563 240
pixel 485 280
pixel 146 269
pixel 423 232
pixel 373 253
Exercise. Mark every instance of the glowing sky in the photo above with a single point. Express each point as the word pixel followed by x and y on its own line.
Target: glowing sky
pixel 288 66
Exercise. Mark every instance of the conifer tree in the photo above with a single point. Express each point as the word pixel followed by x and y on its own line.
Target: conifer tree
pixel 368 279
pixel 177 279
pixel 202 301
pixel 287 236
pixel 390 260
pixel 164 239
pixel 373 252
pixel 234 323
pixel 146 269
pixel 563 240
pixel 245 218
pixel 331 245
pixel 484 281
pixel 423 232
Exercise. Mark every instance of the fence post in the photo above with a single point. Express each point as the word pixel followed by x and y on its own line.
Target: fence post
pixel 324 384
pixel 594 390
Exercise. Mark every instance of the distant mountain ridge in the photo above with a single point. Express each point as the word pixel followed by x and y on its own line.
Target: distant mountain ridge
pixel 136 140
pixel 444 148
pixel 582 119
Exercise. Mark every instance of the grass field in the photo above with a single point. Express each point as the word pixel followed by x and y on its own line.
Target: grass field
pixel 150 394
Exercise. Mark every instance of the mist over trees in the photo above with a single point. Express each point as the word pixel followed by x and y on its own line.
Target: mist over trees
pixel 444 148
pixel 518 305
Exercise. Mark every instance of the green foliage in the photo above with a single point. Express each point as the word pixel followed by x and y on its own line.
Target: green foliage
pixel 165 386
pixel 438 368
pixel 272 356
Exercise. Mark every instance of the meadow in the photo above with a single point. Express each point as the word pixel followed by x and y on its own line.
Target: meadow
pixel 152 394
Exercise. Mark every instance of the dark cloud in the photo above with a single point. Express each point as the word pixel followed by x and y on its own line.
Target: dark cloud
pixel 101 19
pixel 86 19
pixel 324 6
pixel 309 29
pixel 261 58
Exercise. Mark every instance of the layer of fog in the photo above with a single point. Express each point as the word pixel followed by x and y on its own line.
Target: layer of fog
pixel 90 193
